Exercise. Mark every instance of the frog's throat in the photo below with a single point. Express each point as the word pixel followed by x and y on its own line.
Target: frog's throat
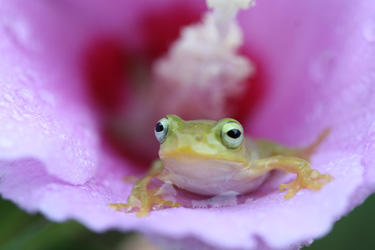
pixel 210 177
pixel 201 156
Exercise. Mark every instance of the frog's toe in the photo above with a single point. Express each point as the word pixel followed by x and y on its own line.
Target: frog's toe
pixel 117 206
pixel 293 187
pixel 143 203
pixel 155 202
pixel 314 181
pixel 317 180
pixel 143 212
pixel 160 202
pixel 132 204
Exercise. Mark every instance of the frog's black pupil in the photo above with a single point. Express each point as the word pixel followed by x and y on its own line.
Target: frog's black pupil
pixel 234 133
pixel 159 127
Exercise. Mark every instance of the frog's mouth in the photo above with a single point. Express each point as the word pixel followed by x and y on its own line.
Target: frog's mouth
pixel 188 153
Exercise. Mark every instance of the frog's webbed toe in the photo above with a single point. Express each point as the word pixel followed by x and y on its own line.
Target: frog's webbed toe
pixel 310 179
pixel 143 198
pixel 159 202
pixel 144 201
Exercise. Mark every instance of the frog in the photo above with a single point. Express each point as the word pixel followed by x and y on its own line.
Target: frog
pixel 210 158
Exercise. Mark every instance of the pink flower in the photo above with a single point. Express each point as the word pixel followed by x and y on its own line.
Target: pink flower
pixel 66 75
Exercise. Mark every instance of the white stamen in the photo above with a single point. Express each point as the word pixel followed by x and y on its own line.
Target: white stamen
pixel 241 4
pixel 202 67
pixel 226 10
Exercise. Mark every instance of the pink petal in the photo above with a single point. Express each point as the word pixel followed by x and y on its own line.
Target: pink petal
pixel 328 77
pixel 319 73
pixel 41 95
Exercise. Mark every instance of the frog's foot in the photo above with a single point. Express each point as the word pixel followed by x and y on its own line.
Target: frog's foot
pixel 311 179
pixel 117 206
pixel 143 202
pixel 159 202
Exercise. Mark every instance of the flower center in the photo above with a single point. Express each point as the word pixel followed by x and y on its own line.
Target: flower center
pixel 203 68
pixel 202 75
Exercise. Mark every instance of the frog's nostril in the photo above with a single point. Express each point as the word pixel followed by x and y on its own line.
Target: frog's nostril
pixel 198 137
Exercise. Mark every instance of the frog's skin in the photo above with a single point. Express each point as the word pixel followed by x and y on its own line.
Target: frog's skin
pixel 194 157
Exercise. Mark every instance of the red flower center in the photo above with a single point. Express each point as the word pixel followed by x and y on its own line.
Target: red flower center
pixel 117 77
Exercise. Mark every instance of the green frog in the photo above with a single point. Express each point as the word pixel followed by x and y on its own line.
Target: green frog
pixel 211 158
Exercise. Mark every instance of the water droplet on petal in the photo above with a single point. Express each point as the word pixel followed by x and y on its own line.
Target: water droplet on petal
pixel 4 104
pixel 8 97
pixel 17 116
pixel 26 94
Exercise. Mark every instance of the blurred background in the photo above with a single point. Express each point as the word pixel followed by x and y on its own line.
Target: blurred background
pixel 19 231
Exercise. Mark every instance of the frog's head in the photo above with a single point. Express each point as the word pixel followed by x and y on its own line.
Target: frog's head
pixel 201 139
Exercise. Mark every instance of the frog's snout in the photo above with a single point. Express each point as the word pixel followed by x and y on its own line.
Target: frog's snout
pixel 198 138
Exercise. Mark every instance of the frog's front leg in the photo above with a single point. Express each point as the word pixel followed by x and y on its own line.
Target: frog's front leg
pixel 144 198
pixel 306 176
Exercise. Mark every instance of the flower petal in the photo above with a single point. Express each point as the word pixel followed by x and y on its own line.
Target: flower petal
pixel 44 100
pixel 319 75
pixel 41 95
pixel 275 220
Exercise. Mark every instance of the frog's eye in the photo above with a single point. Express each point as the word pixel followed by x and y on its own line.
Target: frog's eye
pixel 232 134
pixel 161 129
